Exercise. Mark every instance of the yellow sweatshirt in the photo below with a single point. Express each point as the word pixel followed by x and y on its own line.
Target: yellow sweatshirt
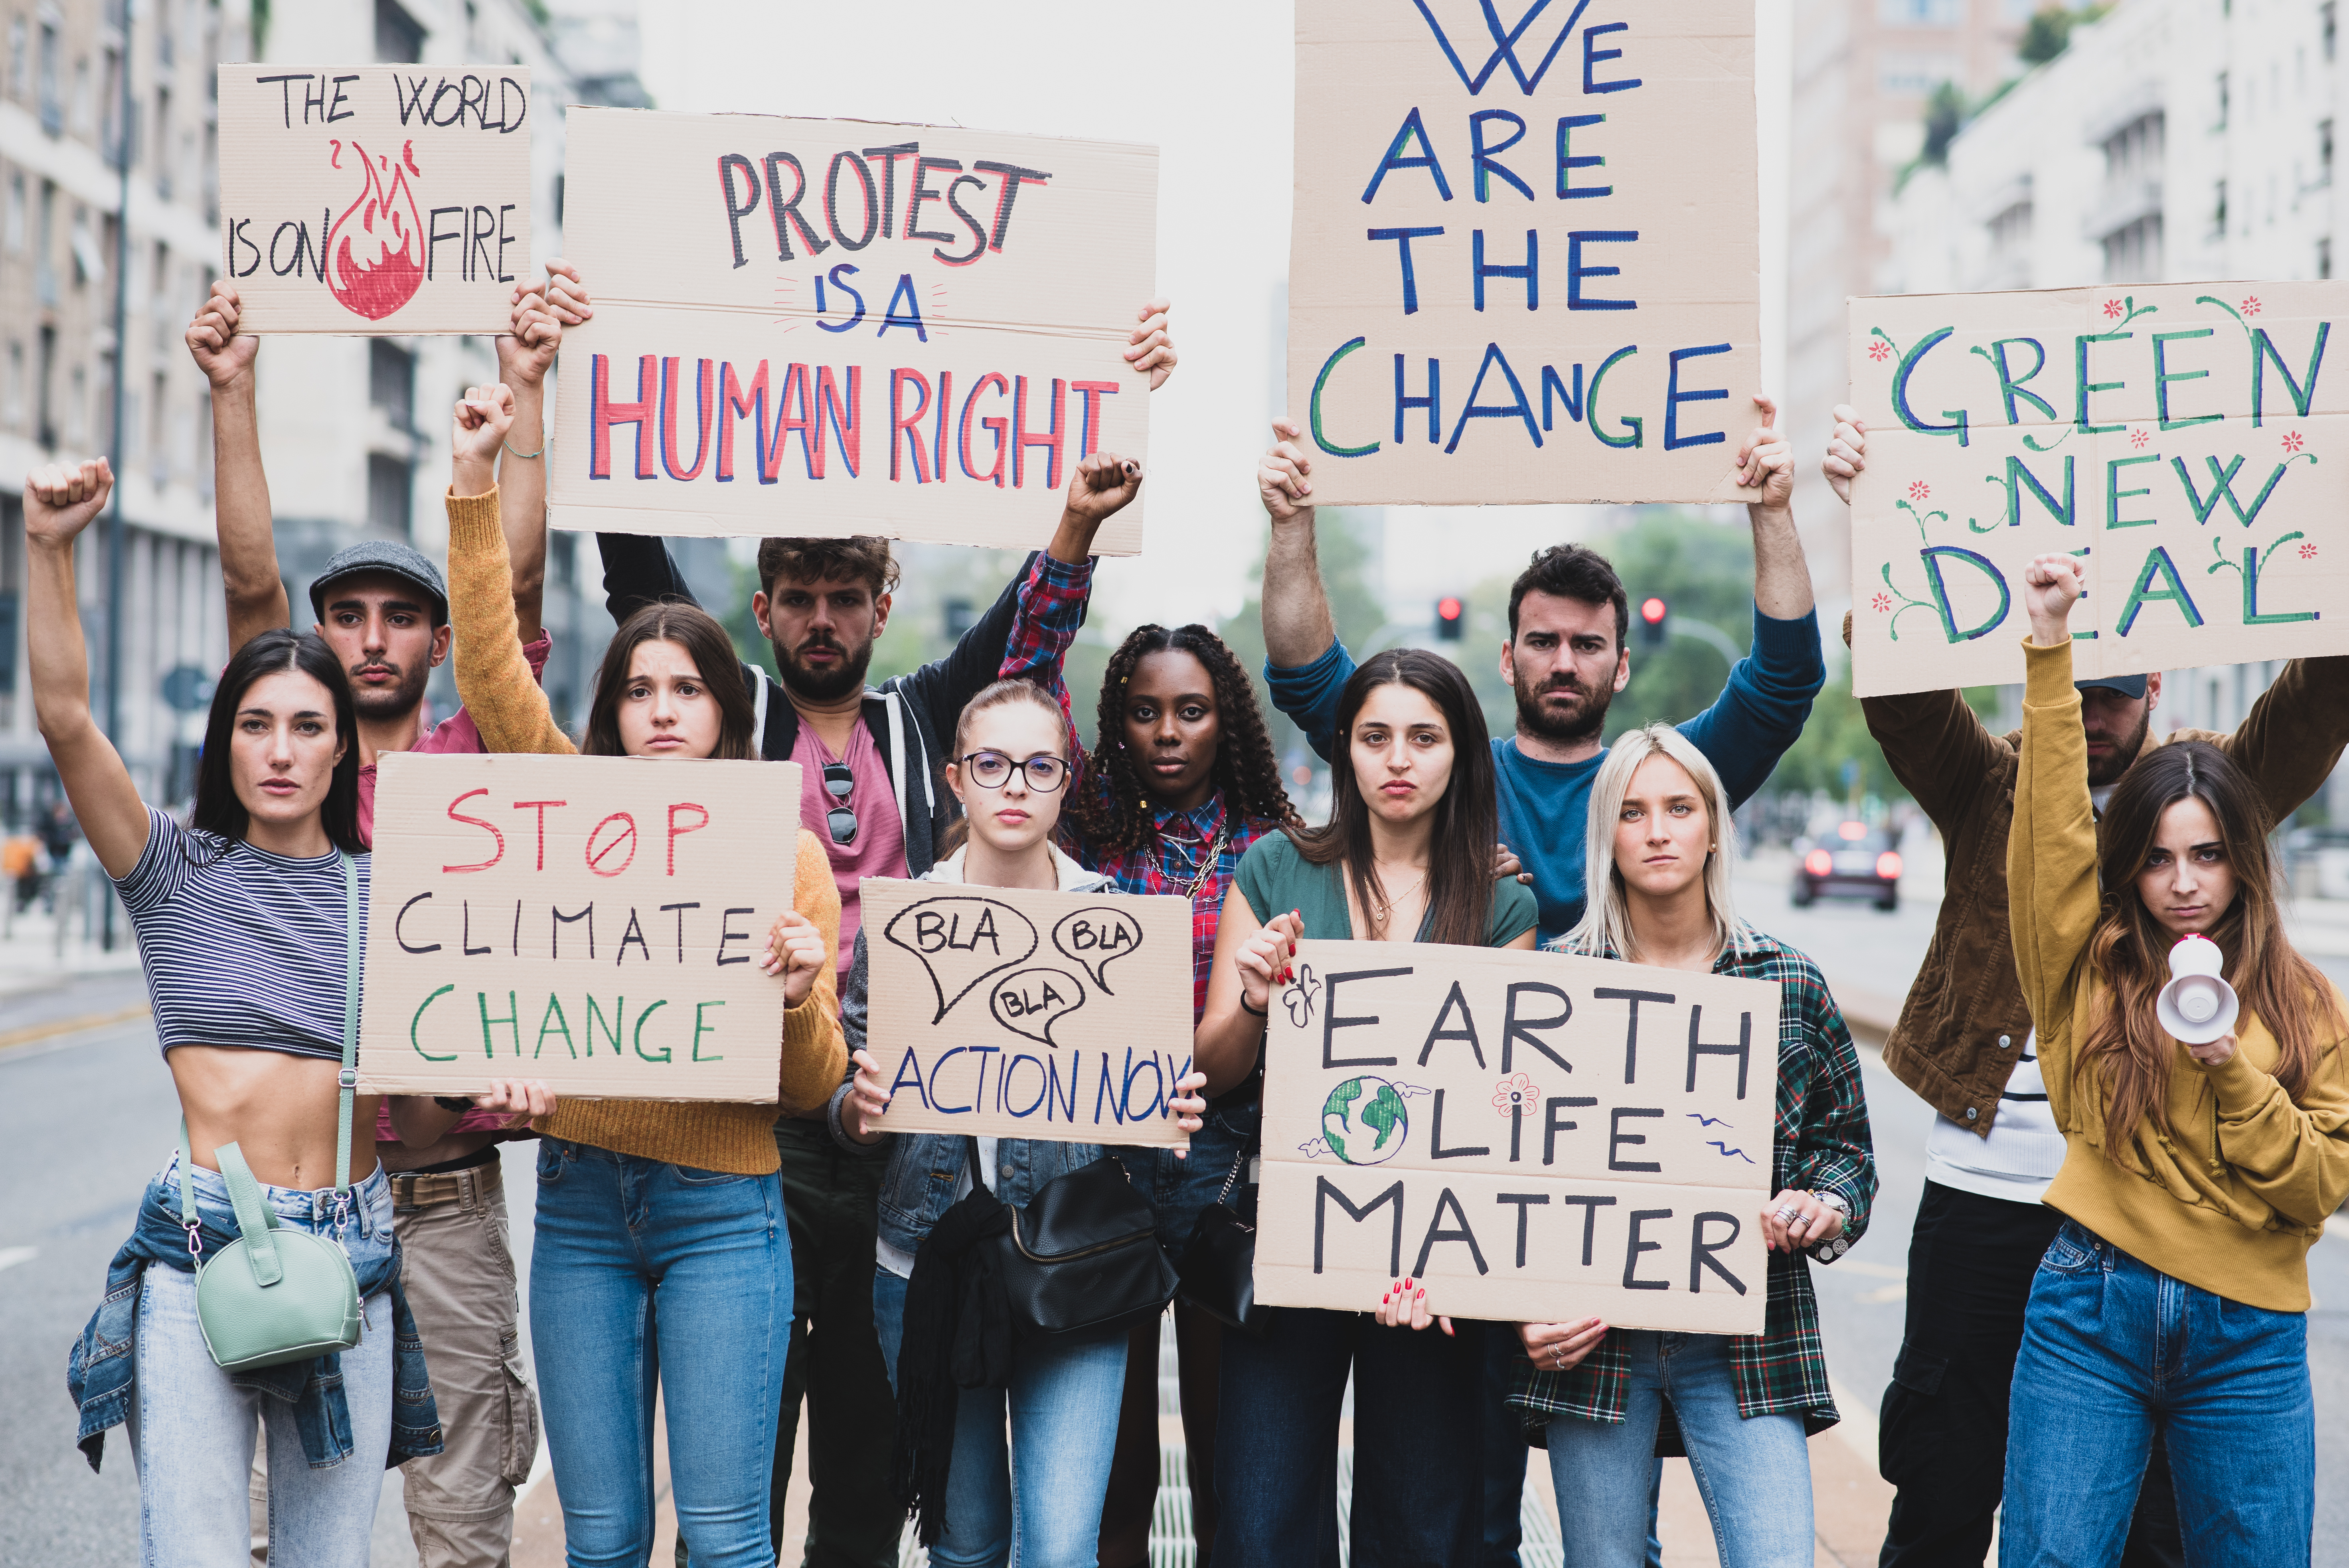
pixel 494 681
pixel 2234 1196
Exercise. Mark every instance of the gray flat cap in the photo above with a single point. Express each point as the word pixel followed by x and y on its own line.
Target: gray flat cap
pixel 384 555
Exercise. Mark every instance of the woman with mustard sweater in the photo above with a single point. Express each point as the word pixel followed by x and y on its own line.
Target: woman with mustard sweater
pixel 2195 1179
pixel 662 1259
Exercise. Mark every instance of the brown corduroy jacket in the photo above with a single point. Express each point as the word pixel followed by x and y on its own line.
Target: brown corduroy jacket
pixel 1963 1024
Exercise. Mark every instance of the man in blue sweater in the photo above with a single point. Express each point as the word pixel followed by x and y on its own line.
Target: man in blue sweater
pixel 1565 659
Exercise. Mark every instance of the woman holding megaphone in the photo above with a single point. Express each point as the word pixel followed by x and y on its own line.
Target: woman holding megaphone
pixel 662 1257
pixel 2200 1162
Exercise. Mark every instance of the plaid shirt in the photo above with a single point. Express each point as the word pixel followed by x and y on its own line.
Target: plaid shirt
pixel 1822 1143
pixel 1052 609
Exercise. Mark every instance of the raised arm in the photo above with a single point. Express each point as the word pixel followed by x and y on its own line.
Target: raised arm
pixel 2292 739
pixel 524 356
pixel 2050 856
pixel 1782 578
pixel 59 501
pixel 1304 668
pixel 248 546
pixel 493 676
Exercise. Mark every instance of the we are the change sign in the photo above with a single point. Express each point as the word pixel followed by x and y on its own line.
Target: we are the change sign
pixel 2184 441
pixel 374 199
pixel 596 922
pixel 1525 259
pixel 1007 1013
pixel 811 326
pixel 1539 1138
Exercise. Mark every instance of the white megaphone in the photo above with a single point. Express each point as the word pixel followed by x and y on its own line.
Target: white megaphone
pixel 2197 1007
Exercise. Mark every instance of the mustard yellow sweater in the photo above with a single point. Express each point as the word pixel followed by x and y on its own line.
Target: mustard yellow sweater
pixel 2234 1194
pixel 494 679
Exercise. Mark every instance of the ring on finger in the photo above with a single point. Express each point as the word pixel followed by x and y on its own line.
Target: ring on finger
pixel 1786 1214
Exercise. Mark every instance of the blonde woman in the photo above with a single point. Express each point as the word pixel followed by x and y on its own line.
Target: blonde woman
pixel 1660 843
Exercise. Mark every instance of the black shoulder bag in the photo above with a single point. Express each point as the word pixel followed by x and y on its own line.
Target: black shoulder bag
pixel 1217 1267
pixel 1082 1256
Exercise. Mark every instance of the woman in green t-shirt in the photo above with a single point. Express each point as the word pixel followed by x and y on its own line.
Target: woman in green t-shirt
pixel 1406 856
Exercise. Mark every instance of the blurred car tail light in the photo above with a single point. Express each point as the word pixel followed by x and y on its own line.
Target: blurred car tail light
pixel 1819 863
pixel 1888 866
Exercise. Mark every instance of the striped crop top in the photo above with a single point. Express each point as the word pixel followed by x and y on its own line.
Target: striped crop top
pixel 243 947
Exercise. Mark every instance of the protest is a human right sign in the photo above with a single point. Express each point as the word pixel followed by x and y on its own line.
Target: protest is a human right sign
pixel 1525 256
pixel 2184 439
pixel 816 327
pixel 1541 1138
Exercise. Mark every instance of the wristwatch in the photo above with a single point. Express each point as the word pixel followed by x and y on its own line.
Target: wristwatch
pixel 1827 1251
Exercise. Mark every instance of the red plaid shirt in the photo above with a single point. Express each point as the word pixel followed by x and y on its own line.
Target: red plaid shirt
pixel 1051 610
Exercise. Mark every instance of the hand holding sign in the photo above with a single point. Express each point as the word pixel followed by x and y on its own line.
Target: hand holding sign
pixel 868 1098
pixel 1265 958
pixel 795 950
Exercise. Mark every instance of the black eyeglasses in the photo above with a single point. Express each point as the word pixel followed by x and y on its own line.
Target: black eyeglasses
pixel 838 782
pixel 992 770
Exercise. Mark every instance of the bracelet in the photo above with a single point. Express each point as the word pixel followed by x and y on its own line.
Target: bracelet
pixel 1253 1012
pixel 540 453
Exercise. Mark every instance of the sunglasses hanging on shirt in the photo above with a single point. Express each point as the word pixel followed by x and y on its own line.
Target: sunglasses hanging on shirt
pixel 839 783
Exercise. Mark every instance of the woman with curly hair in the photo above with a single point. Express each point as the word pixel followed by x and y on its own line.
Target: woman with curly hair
pixel 1184 780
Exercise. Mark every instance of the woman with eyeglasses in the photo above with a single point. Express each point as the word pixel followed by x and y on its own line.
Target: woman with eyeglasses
pixel 662 1261
pixel 974 1495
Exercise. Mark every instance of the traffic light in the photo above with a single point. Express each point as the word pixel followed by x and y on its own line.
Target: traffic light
pixel 1652 630
pixel 1450 619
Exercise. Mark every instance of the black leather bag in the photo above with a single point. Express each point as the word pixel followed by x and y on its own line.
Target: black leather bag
pixel 1082 1256
pixel 1217 1268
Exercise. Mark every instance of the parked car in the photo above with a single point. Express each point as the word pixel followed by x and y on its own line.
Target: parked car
pixel 1855 861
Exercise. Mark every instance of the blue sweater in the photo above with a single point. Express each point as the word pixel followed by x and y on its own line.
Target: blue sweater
pixel 1545 805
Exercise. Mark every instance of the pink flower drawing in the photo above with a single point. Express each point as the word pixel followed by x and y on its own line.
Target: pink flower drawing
pixel 1883 603
pixel 1919 490
pixel 2294 440
pixel 1879 351
pixel 2308 552
pixel 2139 436
pixel 2251 305
pixel 2112 310
pixel 1517 1096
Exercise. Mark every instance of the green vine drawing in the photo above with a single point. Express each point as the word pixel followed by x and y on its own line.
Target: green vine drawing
pixel 1921 518
pixel 2032 441
pixel 2231 310
pixel 2128 303
pixel 2265 556
pixel 1907 603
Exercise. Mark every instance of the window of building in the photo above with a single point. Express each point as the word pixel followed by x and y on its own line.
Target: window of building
pixel 12 392
pixel 45 247
pixel 1914 73
pixel 2135 150
pixel 391 381
pixel 1921 13
pixel 2218 211
pixel 2327 25
pixel 2224 101
pixel 84 105
pixel 109 105
pixel 20 64
pixel 2324 152
pixel 163 142
pixel 2133 252
pixel 2324 255
pixel 397 36
pixel 11 228
pixel 2010 229
pixel 390 486
pixel 45 366
pixel 53 109
pixel 159 402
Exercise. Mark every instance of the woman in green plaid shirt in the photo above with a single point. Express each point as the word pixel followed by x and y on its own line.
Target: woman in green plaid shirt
pixel 1660 847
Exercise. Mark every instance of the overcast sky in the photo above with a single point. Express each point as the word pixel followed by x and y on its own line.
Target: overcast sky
pixel 1206 81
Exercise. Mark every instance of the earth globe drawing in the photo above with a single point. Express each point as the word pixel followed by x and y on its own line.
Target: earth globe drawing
pixel 1364 1122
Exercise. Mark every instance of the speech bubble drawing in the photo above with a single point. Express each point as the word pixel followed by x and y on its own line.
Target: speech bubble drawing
pixel 961 941
pixel 1094 937
pixel 1030 1002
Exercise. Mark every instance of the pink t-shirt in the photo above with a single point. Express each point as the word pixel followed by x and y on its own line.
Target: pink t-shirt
pixel 453 734
pixel 879 849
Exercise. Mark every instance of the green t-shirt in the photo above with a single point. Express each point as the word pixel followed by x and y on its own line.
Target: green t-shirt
pixel 1274 878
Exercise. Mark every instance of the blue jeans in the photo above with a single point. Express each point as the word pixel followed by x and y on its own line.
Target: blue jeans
pixel 632 1254
pixel 2114 1350
pixel 192 1427
pixel 1418 1454
pixel 1754 1474
pixel 1044 1489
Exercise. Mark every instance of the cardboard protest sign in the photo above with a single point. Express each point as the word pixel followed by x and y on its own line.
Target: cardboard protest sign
pixel 2182 438
pixel 832 326
pixel 1525 261
pixel 595 922
pixel 1007 1013
pixel 1539 1136
pixel 374 199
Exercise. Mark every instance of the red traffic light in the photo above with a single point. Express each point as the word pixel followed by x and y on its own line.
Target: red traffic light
pixel 1447 609
pixel 1652 611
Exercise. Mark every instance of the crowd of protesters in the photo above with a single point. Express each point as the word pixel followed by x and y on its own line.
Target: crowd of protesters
pixel 2108 1289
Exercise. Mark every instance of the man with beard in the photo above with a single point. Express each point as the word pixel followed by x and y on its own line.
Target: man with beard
pixel 871 790
pixel 1565 659
pixel 383 607
pixel 1964 1043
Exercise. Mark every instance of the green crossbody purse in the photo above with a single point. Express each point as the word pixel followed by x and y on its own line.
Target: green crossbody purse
pixel 275 1295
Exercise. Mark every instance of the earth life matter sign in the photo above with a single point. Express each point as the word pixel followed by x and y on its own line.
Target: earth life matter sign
pixel 1540 1137
pixel 2186 440
pixel 813 326
pixel 1008 1013
pixel 374 199
pixel 593 921
pixel 1525 258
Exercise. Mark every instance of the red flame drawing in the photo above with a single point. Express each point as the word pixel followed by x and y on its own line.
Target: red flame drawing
pixel 376 250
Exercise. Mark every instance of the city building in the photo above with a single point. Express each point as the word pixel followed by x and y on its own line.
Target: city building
pixel 109 103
